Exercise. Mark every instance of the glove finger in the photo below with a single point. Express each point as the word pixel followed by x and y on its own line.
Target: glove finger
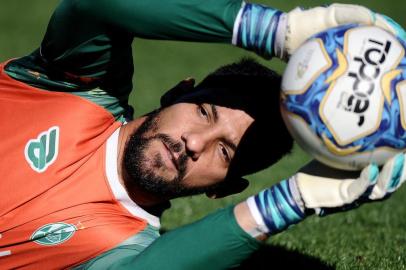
pixel 390 25
pixel 390 177
pixel 345 13
pixel 354 195
pixel 363 186
pixel 403 176
pixel 397 174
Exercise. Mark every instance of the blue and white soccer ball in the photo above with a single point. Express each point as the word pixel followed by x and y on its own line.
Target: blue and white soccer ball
pixel 344 96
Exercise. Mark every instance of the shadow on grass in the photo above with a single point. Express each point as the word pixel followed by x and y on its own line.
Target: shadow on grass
pixel 275 258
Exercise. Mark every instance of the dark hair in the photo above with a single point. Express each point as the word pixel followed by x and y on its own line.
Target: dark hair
pixel 249 86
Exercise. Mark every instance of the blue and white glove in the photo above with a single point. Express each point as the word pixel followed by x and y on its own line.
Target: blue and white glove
pixel 290 201
pixel 270 32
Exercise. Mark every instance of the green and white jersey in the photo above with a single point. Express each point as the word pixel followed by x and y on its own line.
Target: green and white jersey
pixel 87 51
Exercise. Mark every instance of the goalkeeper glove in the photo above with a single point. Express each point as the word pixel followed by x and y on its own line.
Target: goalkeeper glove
pixel 290 201
pixel 270 32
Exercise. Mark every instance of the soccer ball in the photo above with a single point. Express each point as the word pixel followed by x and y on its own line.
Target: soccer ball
pixel 344 96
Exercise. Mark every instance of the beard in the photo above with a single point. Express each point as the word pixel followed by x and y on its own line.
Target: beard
pixel 141 168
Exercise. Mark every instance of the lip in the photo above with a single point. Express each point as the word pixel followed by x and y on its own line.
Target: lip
pixel 171 156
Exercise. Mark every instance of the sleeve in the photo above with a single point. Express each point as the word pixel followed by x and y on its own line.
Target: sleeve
pixel 87 43
pixel 191 20
pixel 215 242
pixel 131 247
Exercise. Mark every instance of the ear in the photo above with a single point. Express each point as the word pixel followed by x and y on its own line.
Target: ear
pixel 177 91
pixel 230 187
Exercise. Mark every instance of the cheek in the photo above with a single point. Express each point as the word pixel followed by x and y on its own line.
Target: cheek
pixel 173 125
pixel 205 174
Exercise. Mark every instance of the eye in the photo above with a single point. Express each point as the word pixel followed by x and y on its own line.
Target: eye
pixel 202 112
pixel 225 154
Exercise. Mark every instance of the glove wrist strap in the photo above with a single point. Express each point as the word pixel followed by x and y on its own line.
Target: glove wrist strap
pixel 280 37
pixel 276 208
pixel 256 28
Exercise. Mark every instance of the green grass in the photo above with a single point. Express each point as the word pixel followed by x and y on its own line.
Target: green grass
pixel 372 237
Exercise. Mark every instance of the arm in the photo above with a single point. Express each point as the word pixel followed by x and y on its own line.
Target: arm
pixel 214 242
pixel 87 44
pixel 189 20
pixel 89 37
pixel 87 41
pixel 311 192
pixel 226 238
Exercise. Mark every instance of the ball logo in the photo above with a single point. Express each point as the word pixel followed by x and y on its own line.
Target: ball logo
pixel 368 70
pixel 303 64
pixel 353 105
pixel 302 71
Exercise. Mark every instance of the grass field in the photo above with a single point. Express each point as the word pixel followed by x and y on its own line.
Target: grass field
pixel 373 237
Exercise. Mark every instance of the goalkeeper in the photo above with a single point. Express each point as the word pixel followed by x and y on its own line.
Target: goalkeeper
pixel 82 175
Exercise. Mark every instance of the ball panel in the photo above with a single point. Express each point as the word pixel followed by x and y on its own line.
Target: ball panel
pixel 313 145
pixel 299 75
pixel 401 93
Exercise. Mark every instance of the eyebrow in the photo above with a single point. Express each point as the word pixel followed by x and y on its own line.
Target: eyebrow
pixel 230 144
pixel 226 141
pixel 214 112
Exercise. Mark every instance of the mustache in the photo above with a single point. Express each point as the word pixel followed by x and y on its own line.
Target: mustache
pixel 176 147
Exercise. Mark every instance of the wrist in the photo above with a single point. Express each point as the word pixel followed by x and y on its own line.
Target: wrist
pixel 277 208
pixel 256 28
pixel 247 222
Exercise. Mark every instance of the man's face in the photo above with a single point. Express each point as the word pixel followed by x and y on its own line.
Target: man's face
pixel 184 149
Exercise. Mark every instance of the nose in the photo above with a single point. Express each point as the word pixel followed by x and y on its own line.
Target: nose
pixel 196 142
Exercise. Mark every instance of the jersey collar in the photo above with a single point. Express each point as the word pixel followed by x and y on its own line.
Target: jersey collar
pixel 118 190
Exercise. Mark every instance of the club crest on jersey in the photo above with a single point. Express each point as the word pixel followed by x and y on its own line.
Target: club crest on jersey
pixel 53 234
pixel 42 151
